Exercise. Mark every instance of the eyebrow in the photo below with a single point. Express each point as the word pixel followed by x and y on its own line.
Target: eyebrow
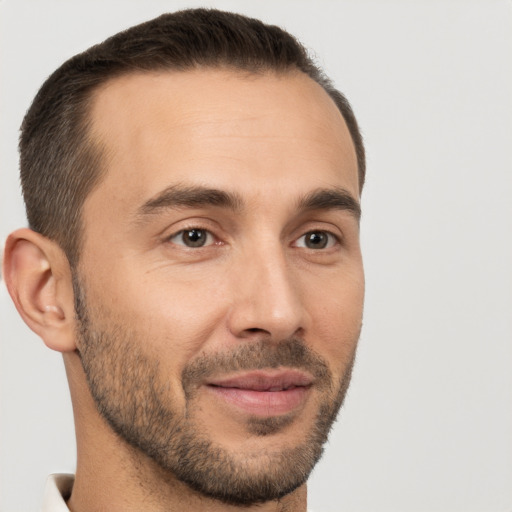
pixel 179 196
pixel 331 199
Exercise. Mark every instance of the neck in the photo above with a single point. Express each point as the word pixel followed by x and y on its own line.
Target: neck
pixel 112 475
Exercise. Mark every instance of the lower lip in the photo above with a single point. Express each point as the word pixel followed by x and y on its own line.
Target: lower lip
pixel 263 403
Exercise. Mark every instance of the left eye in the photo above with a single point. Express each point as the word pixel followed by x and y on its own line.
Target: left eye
pixel 317 240
pixel 194 237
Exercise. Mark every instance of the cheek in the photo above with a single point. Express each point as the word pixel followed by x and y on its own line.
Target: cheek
pixel 337 312
pixel 174 317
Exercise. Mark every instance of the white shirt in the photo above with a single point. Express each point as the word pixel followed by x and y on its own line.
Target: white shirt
pixel 57 490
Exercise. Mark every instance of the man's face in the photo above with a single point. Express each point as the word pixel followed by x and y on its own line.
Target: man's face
pixel 221 282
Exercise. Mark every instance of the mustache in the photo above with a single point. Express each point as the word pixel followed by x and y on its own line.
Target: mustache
pixel 257 355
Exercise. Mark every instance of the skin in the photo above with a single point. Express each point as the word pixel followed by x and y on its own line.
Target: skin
pixel 271 140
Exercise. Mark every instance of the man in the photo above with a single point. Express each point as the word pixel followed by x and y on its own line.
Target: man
pixel 192 188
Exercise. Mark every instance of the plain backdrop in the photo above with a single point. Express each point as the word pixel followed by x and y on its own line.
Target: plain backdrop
pixel 427 425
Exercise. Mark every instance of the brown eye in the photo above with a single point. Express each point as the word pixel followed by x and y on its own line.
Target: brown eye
pixel 194 237
pixel 317 240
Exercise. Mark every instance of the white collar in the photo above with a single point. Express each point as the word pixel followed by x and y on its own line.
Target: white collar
pixel 57 490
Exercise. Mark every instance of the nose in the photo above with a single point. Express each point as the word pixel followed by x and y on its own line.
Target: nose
pixel 267 299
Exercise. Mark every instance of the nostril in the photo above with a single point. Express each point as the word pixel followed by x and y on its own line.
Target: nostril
pixel 257 330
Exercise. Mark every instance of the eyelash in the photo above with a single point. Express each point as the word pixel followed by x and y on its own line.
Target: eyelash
pixel 209 240
pixel 178 238
pixel 332 239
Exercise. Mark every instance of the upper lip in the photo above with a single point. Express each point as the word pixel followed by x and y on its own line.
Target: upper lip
pixel 265 380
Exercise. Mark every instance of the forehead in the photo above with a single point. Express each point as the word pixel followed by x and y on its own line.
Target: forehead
pixel 218 128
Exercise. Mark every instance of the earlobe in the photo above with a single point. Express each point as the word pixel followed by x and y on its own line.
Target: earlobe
pixel 38 278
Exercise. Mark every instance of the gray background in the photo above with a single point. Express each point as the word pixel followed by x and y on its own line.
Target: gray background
pixel 427 425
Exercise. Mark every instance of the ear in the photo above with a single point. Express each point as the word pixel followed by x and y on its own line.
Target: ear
pixel 38 277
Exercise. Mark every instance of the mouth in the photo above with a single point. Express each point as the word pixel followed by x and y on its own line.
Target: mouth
pixel 264 393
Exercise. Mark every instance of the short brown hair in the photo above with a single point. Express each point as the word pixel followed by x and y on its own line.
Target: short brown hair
pixel 59 163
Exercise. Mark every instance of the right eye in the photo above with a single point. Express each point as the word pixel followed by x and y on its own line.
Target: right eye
pixel 317 240
pixel 193 237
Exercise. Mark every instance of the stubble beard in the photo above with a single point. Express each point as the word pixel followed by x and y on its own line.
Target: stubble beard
pixel 132 396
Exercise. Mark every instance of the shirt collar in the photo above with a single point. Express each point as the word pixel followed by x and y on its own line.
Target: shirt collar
pixel 57 491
